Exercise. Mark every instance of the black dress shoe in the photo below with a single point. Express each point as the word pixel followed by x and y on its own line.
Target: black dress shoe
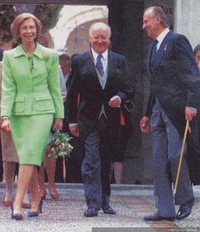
pixel 91 212
pixel 185 210
pixel 156 217
pixel 108 210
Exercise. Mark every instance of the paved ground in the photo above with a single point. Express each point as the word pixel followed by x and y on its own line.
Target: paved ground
pixel 132 203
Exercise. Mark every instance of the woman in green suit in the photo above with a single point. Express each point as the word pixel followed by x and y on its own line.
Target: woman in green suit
pixel 31 102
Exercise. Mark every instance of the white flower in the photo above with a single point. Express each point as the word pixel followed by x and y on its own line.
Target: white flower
pixel 59 145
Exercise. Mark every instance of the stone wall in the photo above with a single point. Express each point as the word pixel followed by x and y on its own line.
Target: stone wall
pixel 187 20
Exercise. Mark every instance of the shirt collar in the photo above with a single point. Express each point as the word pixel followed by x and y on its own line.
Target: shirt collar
pixel 162 35
pixel 95 54
pixel 19 51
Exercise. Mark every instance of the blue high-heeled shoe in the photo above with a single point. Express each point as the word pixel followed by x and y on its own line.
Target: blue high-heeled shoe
pixel 16 216
pixel 35 214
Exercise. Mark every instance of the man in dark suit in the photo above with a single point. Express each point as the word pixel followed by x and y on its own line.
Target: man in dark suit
pixel 65 64
pixel 174 86
pixel 99 77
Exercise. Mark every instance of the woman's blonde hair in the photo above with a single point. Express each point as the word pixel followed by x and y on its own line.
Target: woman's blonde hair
pixel 14 28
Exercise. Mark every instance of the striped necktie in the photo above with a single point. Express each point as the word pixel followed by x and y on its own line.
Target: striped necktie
pixel 99 64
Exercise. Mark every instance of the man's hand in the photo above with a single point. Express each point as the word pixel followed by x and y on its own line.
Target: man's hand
pixel 115 101
pixel 144 125
pixel 190 113
pixel 74 130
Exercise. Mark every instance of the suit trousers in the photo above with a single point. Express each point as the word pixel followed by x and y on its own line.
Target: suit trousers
pixel 166 147
pixel 96 166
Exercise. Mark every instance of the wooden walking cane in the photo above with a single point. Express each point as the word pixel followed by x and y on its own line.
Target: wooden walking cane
pixel 181 156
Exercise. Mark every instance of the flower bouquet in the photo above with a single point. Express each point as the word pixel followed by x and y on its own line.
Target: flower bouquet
pixel 59 145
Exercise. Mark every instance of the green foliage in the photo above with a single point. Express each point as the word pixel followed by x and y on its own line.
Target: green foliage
pixel 47 14
pixel 7 15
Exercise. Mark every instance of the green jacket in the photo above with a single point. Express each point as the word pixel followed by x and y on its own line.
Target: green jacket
pixel 31 87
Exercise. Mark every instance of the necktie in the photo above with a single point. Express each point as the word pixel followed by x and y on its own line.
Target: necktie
pixel 153 52
pixel 99 64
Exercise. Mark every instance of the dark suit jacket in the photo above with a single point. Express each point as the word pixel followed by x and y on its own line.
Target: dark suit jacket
pixel 175 78
pixel 175 82
pixel 84 80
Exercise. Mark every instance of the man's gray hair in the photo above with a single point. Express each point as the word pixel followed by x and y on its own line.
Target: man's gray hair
pixel 159 12
pixel 99 25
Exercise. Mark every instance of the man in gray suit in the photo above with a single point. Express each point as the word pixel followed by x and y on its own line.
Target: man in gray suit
pixel 174 85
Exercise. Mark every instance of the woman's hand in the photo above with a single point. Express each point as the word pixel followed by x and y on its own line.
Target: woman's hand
pixel 58 124
pixel 5 125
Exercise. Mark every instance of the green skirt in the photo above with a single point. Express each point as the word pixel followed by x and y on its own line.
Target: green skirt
pixel 30 135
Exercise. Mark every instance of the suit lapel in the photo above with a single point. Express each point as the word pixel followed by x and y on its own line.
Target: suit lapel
pixel 111 68
pixel 162 49
pixel 160 53
pixel 149 58
pixel 90 64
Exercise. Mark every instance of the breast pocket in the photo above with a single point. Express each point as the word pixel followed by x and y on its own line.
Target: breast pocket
pixel 44 104
pixel 19 105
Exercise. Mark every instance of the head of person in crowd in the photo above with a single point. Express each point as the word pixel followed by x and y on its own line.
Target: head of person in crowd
pixel 197 55
pixel 73 55
pixel 26 26
pixel 65 63
pixel 100 34
pixel 154 21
